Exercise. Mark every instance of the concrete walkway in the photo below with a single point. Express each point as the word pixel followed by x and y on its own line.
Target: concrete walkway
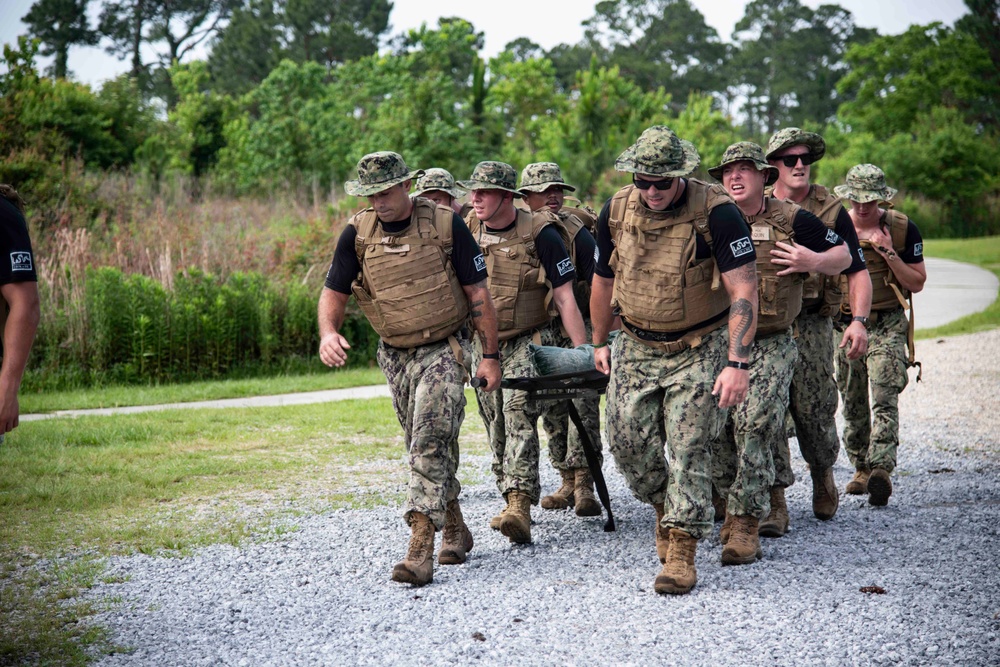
pixel 953 290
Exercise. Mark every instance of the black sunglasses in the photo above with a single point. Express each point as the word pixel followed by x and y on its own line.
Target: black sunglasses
pixel 790 160
pixel 659 185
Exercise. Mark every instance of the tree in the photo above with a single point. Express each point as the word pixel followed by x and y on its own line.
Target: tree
pixel 60 24
pixel 332 32
pixel 245 52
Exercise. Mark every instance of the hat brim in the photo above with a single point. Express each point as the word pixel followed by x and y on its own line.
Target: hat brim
pixel 454 192
pixel 770 179
pixel 356 189
pixel 864 196
pixel 811 140
pixel 628 163
pixel 542 187
pixel 483 185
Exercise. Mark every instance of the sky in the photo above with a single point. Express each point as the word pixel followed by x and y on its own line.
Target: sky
pixel 545 22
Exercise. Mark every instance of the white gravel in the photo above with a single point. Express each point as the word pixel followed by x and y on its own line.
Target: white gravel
pixel 322 596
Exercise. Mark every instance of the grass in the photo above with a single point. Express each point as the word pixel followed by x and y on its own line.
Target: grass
pixel 983 252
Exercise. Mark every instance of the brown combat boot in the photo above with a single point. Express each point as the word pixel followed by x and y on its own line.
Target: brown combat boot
pixel 456 539
pixel 495 521
pixel 678 575
pixel 586 503
pixel 719 505
pixel 516 522
pixel 858 486
pixel 727 529
pixel 775 524
pixel 826 497
pixel 563 497
pixel 418 566
pixel 879 488
pixel 743 546
pixel 662 534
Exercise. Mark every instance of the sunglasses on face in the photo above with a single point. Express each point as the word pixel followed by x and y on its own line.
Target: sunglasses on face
pixel 659 185
pixel 790 160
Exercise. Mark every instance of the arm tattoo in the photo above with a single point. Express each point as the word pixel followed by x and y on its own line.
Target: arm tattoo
pixel 742 312
pixel 474 308
pixel 744 274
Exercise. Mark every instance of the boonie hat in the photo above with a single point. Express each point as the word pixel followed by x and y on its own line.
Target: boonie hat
pixel 865 183
pixel 491 175
pixel 745 151
pixel 540 176
pixel 658 152
pixel 793 136
pixel 378 172
pixel 438 179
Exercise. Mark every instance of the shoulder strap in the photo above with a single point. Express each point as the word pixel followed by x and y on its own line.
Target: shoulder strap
pixel 364 222
pixel 897 229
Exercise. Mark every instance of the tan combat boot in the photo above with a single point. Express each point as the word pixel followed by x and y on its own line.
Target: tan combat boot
pixel 516 522
pixel 586 503
pixel 858 486
pixel 662 534
pixel 456 539
pixel 776 523
pixel 678 575
pixel 563 497
pixel 719 505
pixel 743 546
pixel 826 497
pixel 418 566
pixel 727 529
pixel 879 488
pixel 495 521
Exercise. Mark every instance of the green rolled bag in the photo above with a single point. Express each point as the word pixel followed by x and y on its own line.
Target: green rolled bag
pixel 552 360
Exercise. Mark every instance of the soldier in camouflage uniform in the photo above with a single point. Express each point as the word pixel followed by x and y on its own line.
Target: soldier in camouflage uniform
pixel 424 349
pixel 812 404
pixel 438 185
pixel 543 187
pixel 893 249
pixel 790 241
pixel 663 242
pixel 528 267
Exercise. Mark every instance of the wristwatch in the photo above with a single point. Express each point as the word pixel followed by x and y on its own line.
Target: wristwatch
pixel 863 320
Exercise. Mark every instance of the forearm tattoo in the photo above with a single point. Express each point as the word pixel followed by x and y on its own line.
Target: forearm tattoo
pixel 475 309
pixel 746 274
pixel 740 323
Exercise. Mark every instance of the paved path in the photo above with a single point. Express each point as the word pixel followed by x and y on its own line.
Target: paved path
pixel 953 290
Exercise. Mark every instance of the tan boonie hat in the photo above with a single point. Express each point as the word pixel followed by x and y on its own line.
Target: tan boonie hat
pixel 492 176
pixel 865 183
pixel 438 179
pixel 793 136
pixel 540 176
pixel 378 172
pixel 745 151
pixel 658 152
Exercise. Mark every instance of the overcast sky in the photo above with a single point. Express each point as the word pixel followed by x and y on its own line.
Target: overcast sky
pixel 546 22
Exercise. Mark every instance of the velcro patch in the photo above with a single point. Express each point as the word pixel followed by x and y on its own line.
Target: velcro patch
pixel 918 249
pixel 480 263
pixel 831 237
pixel 565 266
pixel 741 247
pixel 20 261
pixel 861 254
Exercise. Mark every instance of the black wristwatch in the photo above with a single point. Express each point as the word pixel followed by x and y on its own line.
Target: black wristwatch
pixel 863 320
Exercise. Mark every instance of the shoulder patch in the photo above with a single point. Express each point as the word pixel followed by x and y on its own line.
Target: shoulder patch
pixel 21 261
pixel 480 262
pixel 831 237
pixel 741 247
pixel 861 254
pixel 564 266
pixel 918 249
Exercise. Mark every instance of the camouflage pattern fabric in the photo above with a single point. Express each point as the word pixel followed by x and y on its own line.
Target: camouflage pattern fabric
pixel 658 152
pixel 428 393
pixel 812 401
pixel 745 151
pixel 871 431
pixel 378 172
pixel 661 421
pixel 437 179
pixel 491 175
pixel 511 418
pixel 539 176
pixel 742 466
pixel 865 183
pixel 793 136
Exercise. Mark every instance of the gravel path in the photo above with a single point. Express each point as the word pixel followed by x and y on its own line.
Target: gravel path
pixel 321 595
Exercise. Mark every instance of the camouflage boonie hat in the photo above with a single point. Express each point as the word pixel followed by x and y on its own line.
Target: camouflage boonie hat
pixel 492 176
pixel 865 183
pixel 749 152
pixel 793 136
pixel 540 176
pixel 438 179
pixel 658 152
pixel 378 172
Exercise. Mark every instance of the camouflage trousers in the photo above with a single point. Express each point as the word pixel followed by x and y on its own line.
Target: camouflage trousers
pixel 511 418
pixel 427 384
pixel 565 445
pixel 812 401
pixel 661 421
pixel 871 433
pixel 742 465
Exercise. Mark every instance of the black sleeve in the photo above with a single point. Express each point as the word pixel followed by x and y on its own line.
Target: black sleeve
pixel 605 245
pixel 810 232
pixel 466 255
pixel 554 257
pixel 17 263
pixel 345 266
pixel 913 253
pixel 845 229
pixel 730 238
pixel 585 247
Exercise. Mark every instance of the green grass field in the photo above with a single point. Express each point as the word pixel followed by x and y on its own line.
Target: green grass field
pixel 984 252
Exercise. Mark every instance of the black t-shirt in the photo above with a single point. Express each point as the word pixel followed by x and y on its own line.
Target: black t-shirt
pixel 17 262
pixel 731 243
pixel 586 254
pixel 551 251
pixel 466 257
pixel 845 229
pixel 811 233
pixel 913 250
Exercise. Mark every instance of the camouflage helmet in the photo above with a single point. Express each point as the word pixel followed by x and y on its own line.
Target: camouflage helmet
pixel 540 176
pixel 745 151
pixel 438 179
pixel 793 136
pixel 865 183
pixel 378 172
pixel 658 152
pixel 490 175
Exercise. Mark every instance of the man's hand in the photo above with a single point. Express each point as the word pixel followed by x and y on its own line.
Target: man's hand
pixel 855 340
pixel 489 370
pixel 333 349
pixel 602 359
pixel 731 387
pixel 795 258
pixel 9 411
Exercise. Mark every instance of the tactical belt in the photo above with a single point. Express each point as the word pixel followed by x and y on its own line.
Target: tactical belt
pixel 665 342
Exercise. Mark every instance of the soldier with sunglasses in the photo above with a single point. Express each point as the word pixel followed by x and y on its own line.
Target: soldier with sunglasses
pixel 675 259
pixel 812 401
